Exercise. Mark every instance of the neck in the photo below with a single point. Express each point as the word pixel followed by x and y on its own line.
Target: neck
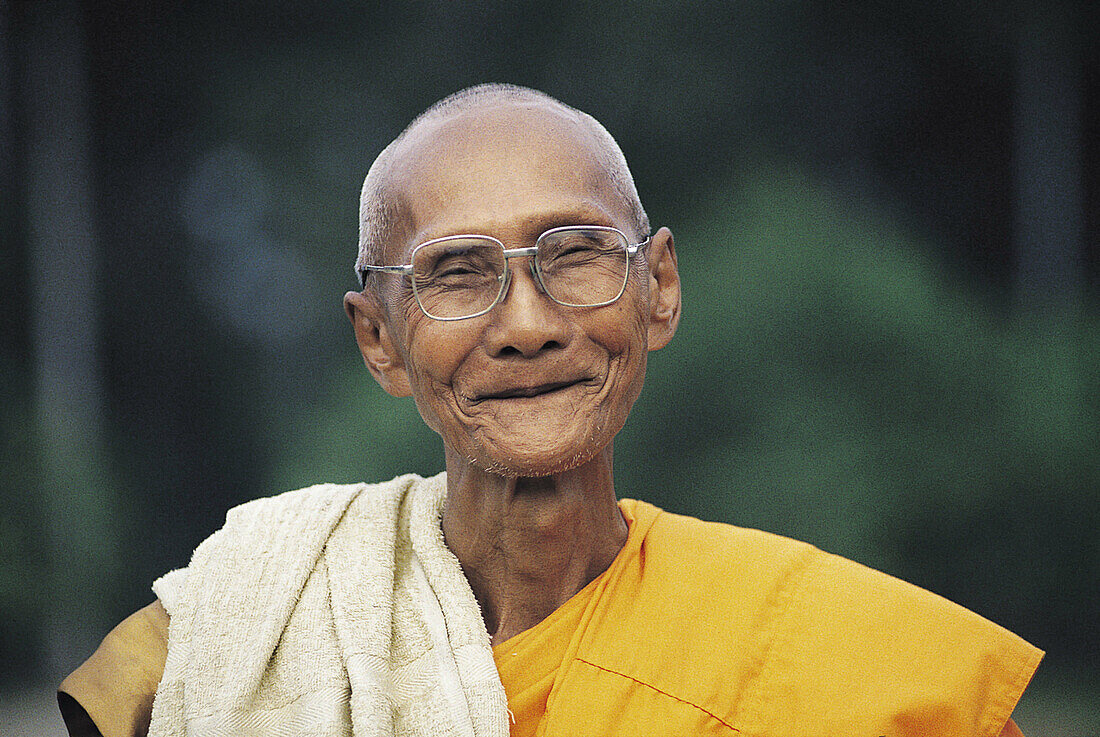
pixel 527 545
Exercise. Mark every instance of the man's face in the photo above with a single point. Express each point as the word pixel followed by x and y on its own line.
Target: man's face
pixel 532 387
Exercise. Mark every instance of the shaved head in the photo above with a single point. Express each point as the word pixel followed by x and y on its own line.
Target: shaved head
pixel 383 212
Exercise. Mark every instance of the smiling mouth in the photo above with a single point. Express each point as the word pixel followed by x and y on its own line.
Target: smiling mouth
pixel 527 392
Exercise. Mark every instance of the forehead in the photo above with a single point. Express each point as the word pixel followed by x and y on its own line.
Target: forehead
pixel 509 168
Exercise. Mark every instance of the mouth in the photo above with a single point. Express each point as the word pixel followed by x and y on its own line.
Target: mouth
pixel 528 391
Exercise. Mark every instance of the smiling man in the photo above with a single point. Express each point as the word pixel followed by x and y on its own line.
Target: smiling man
pixel 513 288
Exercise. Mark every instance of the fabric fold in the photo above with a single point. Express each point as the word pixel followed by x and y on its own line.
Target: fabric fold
pixel 355 618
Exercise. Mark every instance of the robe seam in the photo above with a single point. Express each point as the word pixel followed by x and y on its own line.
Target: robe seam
pixel 791 587
pixel 710 714
pixel 998 711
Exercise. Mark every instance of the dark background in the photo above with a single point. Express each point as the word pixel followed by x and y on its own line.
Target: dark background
pixel 887 219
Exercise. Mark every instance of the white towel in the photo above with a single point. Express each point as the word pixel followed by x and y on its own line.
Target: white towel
pixel 332 610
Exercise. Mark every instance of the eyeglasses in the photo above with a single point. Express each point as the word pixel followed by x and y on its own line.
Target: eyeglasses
pixel 462 276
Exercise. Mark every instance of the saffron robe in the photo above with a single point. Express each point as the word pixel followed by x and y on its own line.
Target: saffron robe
pixel 703 628
pixel 708 629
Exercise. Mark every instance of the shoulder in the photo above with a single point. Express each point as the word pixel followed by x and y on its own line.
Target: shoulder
pixel 287 530
pixel 313 504
pixel 827 599
pixel 112 692
pixel 308 509
pixel 258 527
pixel 803 631
pixel 815 584
pixel 698 553
pixel 307 501
pixel 860 633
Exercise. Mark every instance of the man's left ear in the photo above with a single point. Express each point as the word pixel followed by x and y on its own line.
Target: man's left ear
pixel 664 289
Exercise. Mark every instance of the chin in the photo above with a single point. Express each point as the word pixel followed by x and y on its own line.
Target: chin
pixel 536 464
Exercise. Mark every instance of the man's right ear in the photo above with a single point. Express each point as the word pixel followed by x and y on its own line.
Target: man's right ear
pixel 385 362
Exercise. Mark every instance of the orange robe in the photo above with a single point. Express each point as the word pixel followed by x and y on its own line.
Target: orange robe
pixel 701 628
pixel 697 628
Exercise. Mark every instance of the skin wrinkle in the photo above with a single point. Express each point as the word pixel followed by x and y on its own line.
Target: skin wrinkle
pixel 582 455
pixel 451 397
pixel 531 509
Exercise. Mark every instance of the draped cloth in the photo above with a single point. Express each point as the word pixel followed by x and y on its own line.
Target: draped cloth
pixel 332 610
pixel 700 628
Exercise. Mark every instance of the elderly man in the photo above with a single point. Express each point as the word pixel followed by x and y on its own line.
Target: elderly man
pixel 512 287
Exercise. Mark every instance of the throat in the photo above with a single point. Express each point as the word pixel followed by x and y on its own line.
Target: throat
pixel 528 546
pixel 513 604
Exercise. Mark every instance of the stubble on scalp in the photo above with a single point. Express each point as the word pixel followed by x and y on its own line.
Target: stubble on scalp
pixel 383 213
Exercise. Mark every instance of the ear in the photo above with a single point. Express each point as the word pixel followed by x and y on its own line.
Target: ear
pixel 380 354
pixel 664 289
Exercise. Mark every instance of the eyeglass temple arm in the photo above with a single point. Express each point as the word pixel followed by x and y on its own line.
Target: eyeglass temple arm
pixel 633 248
pixel 362 271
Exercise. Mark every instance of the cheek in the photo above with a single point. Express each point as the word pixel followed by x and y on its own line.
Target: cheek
pixel 436 350
pixel 622 330
pixel 430 368
pixel 632 347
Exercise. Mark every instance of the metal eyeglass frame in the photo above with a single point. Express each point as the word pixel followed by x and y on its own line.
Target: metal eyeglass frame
pixel 506 277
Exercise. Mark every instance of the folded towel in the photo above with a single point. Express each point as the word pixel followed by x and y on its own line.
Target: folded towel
pixel 332 610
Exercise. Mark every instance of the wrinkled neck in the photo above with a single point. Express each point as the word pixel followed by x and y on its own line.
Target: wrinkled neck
pixel 527 545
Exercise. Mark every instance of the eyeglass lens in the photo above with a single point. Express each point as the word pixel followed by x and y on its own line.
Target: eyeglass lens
pixel 461 277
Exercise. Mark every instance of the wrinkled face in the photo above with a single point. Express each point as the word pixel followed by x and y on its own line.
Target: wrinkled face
pixel 532 387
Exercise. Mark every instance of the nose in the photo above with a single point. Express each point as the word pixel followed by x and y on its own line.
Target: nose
pixel 526 321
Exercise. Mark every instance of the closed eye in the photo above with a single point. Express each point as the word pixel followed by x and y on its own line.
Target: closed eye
pixel 455 271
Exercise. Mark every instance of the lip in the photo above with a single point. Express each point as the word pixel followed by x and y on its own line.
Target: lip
pixel 527 392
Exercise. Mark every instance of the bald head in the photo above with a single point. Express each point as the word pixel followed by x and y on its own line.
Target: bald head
pixel 469 133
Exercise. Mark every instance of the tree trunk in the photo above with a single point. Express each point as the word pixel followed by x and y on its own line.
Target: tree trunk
pixel 78 496
pixel 1048 166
